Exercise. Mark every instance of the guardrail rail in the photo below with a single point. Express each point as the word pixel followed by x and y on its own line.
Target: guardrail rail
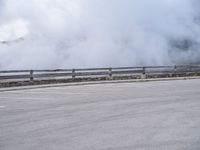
pixel 72 75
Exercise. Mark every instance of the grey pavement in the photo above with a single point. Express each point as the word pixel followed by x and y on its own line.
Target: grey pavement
pixel 159 115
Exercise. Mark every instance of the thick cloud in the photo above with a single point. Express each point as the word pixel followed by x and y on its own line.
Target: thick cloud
pixel 97 33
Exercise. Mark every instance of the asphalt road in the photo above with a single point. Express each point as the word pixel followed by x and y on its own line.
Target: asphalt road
pixel 161 115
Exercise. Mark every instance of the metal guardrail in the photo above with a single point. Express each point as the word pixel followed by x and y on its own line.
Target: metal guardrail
pixel 139 72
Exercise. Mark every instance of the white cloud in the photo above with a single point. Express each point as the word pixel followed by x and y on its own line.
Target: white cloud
pixel 13 30
pixel 97 33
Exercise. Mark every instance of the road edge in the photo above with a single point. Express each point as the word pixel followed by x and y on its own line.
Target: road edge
pixel 93 83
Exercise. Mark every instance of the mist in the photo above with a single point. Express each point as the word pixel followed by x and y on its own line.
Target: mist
pixel 41 34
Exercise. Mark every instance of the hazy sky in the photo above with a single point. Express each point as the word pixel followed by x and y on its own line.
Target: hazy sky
pixel 98 33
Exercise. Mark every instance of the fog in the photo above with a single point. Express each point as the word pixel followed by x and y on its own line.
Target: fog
pixel 41 34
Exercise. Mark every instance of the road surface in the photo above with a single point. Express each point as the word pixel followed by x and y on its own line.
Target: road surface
pixel 160 115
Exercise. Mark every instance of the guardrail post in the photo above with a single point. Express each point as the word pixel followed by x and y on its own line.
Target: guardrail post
pixel 73 73
pixel 174 71
pixel 110 73
pixel 175 68
pixel 143 76
pixel 31 75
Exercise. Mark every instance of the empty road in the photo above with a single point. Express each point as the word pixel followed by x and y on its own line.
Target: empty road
pixel 161 115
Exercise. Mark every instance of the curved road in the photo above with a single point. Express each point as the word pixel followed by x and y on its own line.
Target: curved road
pixel 162 115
